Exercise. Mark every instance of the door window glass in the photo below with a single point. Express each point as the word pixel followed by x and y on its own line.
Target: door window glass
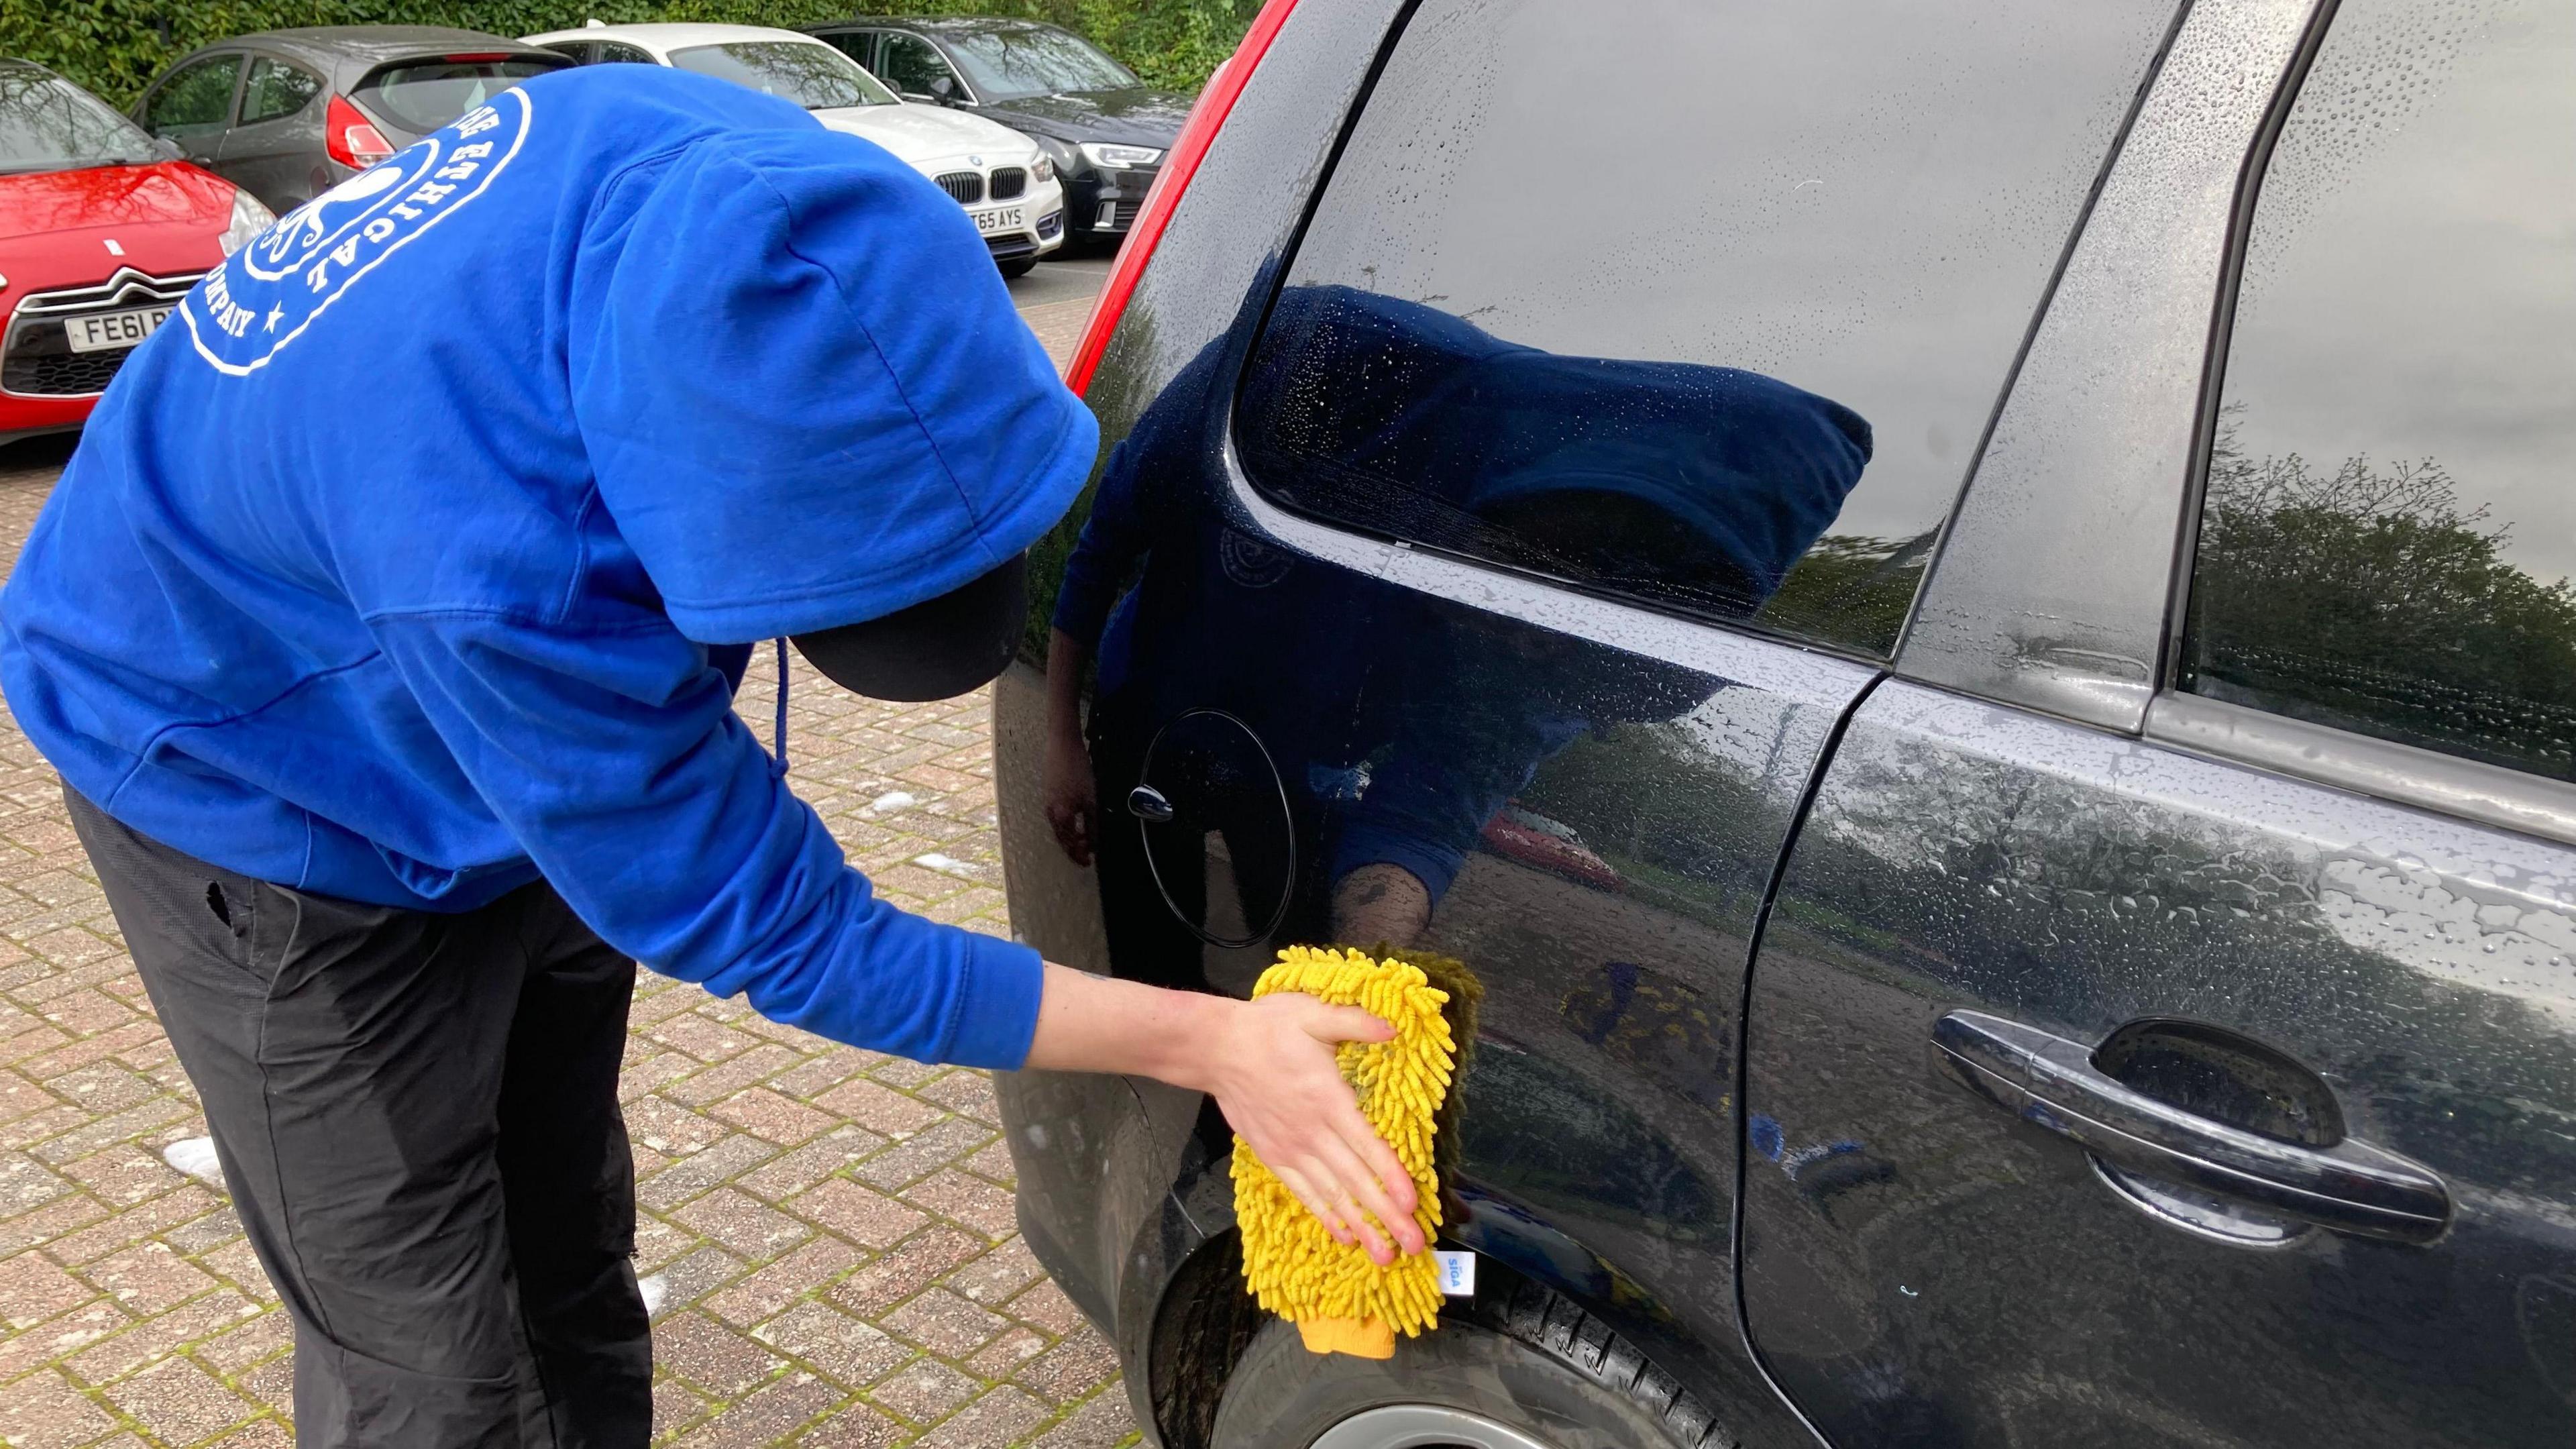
pixel 613 53
pixel 197 98
pixel 1716 322
pixel 856 44
pixel 908 64
pixel 579 52
pixel 276 89
pixel 2390 524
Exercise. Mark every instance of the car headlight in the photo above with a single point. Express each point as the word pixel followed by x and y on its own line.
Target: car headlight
pixel 1101 153
pixel 1045 169
pixel 249 220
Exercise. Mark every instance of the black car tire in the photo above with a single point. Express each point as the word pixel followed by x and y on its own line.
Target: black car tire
pixel 1531 1369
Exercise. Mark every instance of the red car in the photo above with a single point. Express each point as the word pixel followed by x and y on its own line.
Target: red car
pixel 102 231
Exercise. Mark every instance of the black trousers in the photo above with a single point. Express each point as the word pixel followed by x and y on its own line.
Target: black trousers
pixel 417 1118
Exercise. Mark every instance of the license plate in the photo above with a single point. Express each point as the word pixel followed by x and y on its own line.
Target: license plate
pixel 1005 218
pixel 110 330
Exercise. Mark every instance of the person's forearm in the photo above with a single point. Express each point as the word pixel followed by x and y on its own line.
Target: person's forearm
pixel 1066 658
pixel 1090 1023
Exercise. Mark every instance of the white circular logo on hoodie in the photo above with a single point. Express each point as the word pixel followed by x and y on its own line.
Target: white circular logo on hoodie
pixel 266 294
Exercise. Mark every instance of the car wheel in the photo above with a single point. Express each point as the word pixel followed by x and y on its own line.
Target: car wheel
pixel 1018 268
pixel 1531 1372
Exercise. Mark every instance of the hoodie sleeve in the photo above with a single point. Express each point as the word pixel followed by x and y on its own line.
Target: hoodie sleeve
pixel 618 763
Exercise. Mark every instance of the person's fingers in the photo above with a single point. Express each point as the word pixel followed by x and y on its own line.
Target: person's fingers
pixel 1358 1184
pixel 1304 1191
pixel 1072 828
pixel 1346 1023
pixel 1371 1241
pixel 1379 1162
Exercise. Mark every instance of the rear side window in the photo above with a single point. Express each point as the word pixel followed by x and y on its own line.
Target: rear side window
pixel 276 89
pixel 424 95
pixel 1707 308
pixel 613 53
pixel 199 97
pixel 2390 524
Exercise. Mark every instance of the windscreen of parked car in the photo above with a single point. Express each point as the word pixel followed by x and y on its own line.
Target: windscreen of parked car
pixel 2389 536
pixel 1034 60
pixel 810 73
pixel 1714 323
pixel 49 124
pixel 423 95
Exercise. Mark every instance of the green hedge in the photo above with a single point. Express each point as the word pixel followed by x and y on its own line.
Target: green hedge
pixel 115 46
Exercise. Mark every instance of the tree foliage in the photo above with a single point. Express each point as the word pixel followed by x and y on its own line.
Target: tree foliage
pixel 115 47
pixel 2371 597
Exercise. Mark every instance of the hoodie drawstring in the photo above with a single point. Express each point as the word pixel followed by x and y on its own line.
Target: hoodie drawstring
pixel 778 764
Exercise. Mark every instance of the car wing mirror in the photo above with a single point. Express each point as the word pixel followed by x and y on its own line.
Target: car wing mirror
pixel 943 90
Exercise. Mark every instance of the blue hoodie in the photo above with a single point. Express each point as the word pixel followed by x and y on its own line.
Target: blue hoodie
pixel 401 563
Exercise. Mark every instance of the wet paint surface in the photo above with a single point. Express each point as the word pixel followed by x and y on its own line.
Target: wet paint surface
pixel 1959 1277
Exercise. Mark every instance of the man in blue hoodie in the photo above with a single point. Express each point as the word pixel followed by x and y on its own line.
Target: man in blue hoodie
pixel 384 631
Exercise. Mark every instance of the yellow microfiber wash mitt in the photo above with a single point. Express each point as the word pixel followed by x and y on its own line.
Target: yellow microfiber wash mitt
pixel 1340 1301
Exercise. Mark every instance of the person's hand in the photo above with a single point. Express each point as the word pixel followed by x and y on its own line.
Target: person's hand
pixel 1269 1064
pixel 1272 1072
pixel 1072 800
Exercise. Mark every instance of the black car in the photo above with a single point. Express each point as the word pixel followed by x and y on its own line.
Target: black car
pixel 1966 626
pixel 1106 130
pixel 289 114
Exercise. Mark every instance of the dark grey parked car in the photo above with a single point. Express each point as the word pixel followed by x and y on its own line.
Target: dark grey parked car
pixel 289 114
pixel 1106 130
pixel 1975 646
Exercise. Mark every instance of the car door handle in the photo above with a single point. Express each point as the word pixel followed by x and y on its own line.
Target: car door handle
pixel 1147 804
pixel 2051 1082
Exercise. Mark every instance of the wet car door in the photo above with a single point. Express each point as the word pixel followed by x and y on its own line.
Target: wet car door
pixel 1498 598
pixel 274 151
pixel 2165 1029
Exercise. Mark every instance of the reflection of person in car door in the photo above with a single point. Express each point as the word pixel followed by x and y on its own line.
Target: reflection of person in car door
pixel 1694 483
pixel 384 631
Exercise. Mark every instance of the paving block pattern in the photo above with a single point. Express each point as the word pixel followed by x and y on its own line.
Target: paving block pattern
pixel 830 1229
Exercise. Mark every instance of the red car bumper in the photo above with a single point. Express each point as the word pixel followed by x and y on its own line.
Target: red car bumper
pixel 22 417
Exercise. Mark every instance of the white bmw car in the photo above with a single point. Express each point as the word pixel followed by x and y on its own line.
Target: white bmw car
pixel 1007 185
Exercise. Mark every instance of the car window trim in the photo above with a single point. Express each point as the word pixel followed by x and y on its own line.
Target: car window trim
pixel 1800 669
pixel 2462 789
pixel 2222 339
pixel 2079 477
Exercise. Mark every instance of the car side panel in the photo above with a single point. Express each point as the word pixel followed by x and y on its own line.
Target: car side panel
pixel 1922 1268
pixel 1600 1107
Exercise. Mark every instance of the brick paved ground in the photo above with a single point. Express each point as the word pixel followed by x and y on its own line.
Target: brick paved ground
pixel 831 1228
